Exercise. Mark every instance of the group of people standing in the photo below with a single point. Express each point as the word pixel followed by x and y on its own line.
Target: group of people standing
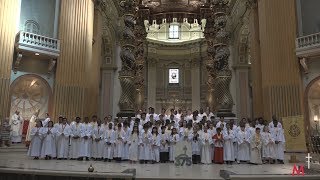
pixel 152 138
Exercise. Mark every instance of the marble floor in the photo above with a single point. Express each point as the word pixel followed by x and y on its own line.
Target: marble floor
pixel 18 160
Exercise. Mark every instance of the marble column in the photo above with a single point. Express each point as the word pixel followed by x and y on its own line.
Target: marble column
pixel 8 28
pixel 126 74
pixel 195 83
pixel 140 39
pixel 257 102
pixel 152 79
pixel 71 90
pixel 224 101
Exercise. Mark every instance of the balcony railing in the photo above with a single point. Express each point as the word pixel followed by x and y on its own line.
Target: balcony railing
pixel 35 43
pixel 308 45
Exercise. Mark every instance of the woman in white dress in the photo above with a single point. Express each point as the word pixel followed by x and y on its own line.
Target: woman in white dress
pixel 174 138
pixel 155 150
pixel 48 150
pixel 133 142
pixel 36 141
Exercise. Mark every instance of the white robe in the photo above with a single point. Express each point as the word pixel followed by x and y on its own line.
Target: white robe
pixel 97 147
pixel 125 151
pixel 109 139
pixel 228 151
pixel 173 142
pixel 255 155
pixel 32 124
pixel 63 140
pixel 45 122
pixel 278 135
pixel 119 143
pixel 16 128
pixel 243 140
pixel 155 147
pixel 235 130
pixel 36 142
pixel 48 142
pixel 145 147
pixel 164 147
pixel 134 142
pixel 206 141
pixel 75 143
pixel 268 145
pixel 85 144
pixel 195 144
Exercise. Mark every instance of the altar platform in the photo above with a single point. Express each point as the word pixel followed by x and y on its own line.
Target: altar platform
pixel 14 164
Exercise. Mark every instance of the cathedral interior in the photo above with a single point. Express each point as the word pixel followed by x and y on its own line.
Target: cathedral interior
pixel 250 58
pixel 237 58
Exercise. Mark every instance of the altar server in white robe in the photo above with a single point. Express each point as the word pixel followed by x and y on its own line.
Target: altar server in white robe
pixel 63 133
pixel 206 141
pixel 46 120
pixel 119 142
pixel 268 145
pixel 98 143
pixel 16 127
pixel 155 145
pixel 134 142
pixel 75 139
pixel 48 149
pixel 173 138
pixel 243 139
pixel 228 151
pixel 127 132
pixel 212 131
pixel 235 130
pixel 109 138
pixel 36 141
pixel 164 147
pixel 32 124
pixel 221 121
pixel 56 125
pixel 278 135
pixel 256 144
pixel 145 146
pixel 195 144
pixel 85 139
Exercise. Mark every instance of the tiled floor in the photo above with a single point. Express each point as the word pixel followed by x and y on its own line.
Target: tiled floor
pixel 19 160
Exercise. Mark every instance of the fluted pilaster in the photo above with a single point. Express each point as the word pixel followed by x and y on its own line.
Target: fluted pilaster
pixel 71 91
pixel 8 29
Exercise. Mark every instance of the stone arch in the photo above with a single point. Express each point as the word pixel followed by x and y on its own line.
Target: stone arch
pixel 29 93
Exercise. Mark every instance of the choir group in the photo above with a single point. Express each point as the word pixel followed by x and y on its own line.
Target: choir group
pixel 152 138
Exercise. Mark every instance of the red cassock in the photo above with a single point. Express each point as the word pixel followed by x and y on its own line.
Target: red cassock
pixel 218 149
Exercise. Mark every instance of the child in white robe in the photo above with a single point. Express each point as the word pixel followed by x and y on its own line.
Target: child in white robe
pixel 85 140
pixel 228 151
pixel 62 136
pixel 97 143
pixel 206 140
pixel 195 144
pixel 75 139
pixel 164 147
pixel 255 148
pixel 119 142
pixel 155 145
pixel 243 139
pixel 36 141
pixel 109 138
pixel 145 146
pixel 134 142
pixel 173 139
pixel 48 149
pixel 268 152
pixel 127 132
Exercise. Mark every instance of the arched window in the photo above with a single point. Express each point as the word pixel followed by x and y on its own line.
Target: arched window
pixel 31 26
